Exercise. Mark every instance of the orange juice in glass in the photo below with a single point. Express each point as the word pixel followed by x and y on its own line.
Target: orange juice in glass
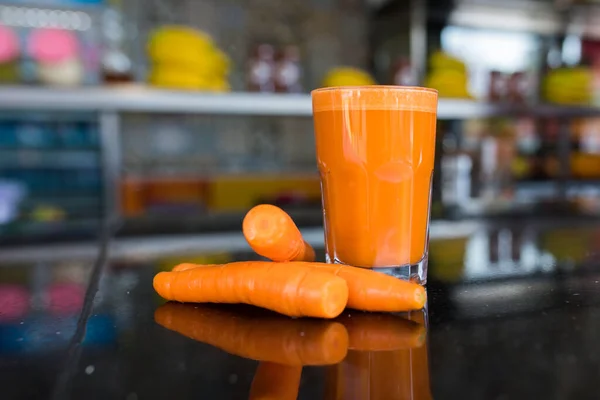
pixel 375 150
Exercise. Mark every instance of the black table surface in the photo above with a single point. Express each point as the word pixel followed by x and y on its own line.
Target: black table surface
pixel 513 313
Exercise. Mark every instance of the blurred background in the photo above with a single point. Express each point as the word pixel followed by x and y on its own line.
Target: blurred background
pixel 174 117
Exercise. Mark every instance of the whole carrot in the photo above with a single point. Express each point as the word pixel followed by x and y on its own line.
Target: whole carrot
pixel 275 382
pixel 258 336
pixel 272 233
pixel 381 332
pixel 298 290
pixel 367 290
pixel 373 291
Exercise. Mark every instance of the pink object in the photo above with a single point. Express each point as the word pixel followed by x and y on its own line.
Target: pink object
pixel 9 44
pixel 65 298
pixel 14 302
pixel 52 45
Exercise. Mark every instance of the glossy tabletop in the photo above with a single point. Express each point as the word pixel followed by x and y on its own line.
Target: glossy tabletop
pixel 514 313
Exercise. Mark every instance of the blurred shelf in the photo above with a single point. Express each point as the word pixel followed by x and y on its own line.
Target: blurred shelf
pixel 584 182
pixel 137 98
pixel 19 232
pixel 132 98
pixel 40 158
pixel 464 109
pixel 150 248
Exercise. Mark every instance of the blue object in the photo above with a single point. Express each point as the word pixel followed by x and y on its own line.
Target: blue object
pixel 8 134
pixel 71 134
pixel 40 334
pixel 34 135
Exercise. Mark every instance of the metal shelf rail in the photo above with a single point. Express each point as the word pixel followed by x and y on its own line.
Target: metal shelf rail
pixel 142 99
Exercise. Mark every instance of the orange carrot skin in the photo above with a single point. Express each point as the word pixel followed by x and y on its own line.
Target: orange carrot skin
pixel 187 266
pixel 382 332
pixel 275 382
pixel 263 337
pixel 374 291
pixel 298 290
pixel 272 233
pixel 369 290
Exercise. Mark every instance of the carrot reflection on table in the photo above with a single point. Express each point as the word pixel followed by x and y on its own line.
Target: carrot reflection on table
pixel 261 336
pixel 379 332
pixel 387 360
pixel 275 382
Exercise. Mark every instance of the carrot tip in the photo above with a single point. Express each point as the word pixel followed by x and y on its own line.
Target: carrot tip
pixel 335 298
pixel 162 285
pixel 421 297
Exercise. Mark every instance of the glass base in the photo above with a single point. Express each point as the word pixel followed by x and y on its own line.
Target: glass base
pixel 411 272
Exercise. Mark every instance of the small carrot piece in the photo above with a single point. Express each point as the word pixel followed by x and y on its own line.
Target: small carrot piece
pixel 272 233
pixel 258 336
pixel 275 382
pixel 368 290
pixel 382 332
pixel 298 290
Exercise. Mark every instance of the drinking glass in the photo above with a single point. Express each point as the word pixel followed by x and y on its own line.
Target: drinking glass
pixel 375 151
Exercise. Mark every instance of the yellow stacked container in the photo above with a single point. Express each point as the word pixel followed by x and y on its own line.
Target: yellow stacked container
pixel 185 58
pixel 448 75
pixel 347 76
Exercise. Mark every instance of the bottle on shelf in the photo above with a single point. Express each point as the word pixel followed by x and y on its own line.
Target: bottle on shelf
pixel 456 167
pixel 261 68
pixel 288 70
pixel 116 63
pixel 402 73
pixel 498 86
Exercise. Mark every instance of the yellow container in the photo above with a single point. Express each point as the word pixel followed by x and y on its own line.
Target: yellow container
pixel 241 192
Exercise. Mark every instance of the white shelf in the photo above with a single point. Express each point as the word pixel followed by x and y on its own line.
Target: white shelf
pixel 147 100
pixel 143 99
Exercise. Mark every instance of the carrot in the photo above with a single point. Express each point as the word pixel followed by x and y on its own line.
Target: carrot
pixel 188 266
pixel 298 290
pixel 258 335
pixel 272 233
pixel 378 332
pixel 374 291
pixel 275 382
pixel 367 290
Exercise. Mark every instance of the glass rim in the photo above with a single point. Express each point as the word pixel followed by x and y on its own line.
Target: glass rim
pixel 372 88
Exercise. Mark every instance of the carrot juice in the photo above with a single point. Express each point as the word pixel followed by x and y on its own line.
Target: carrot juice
pixel 375 152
